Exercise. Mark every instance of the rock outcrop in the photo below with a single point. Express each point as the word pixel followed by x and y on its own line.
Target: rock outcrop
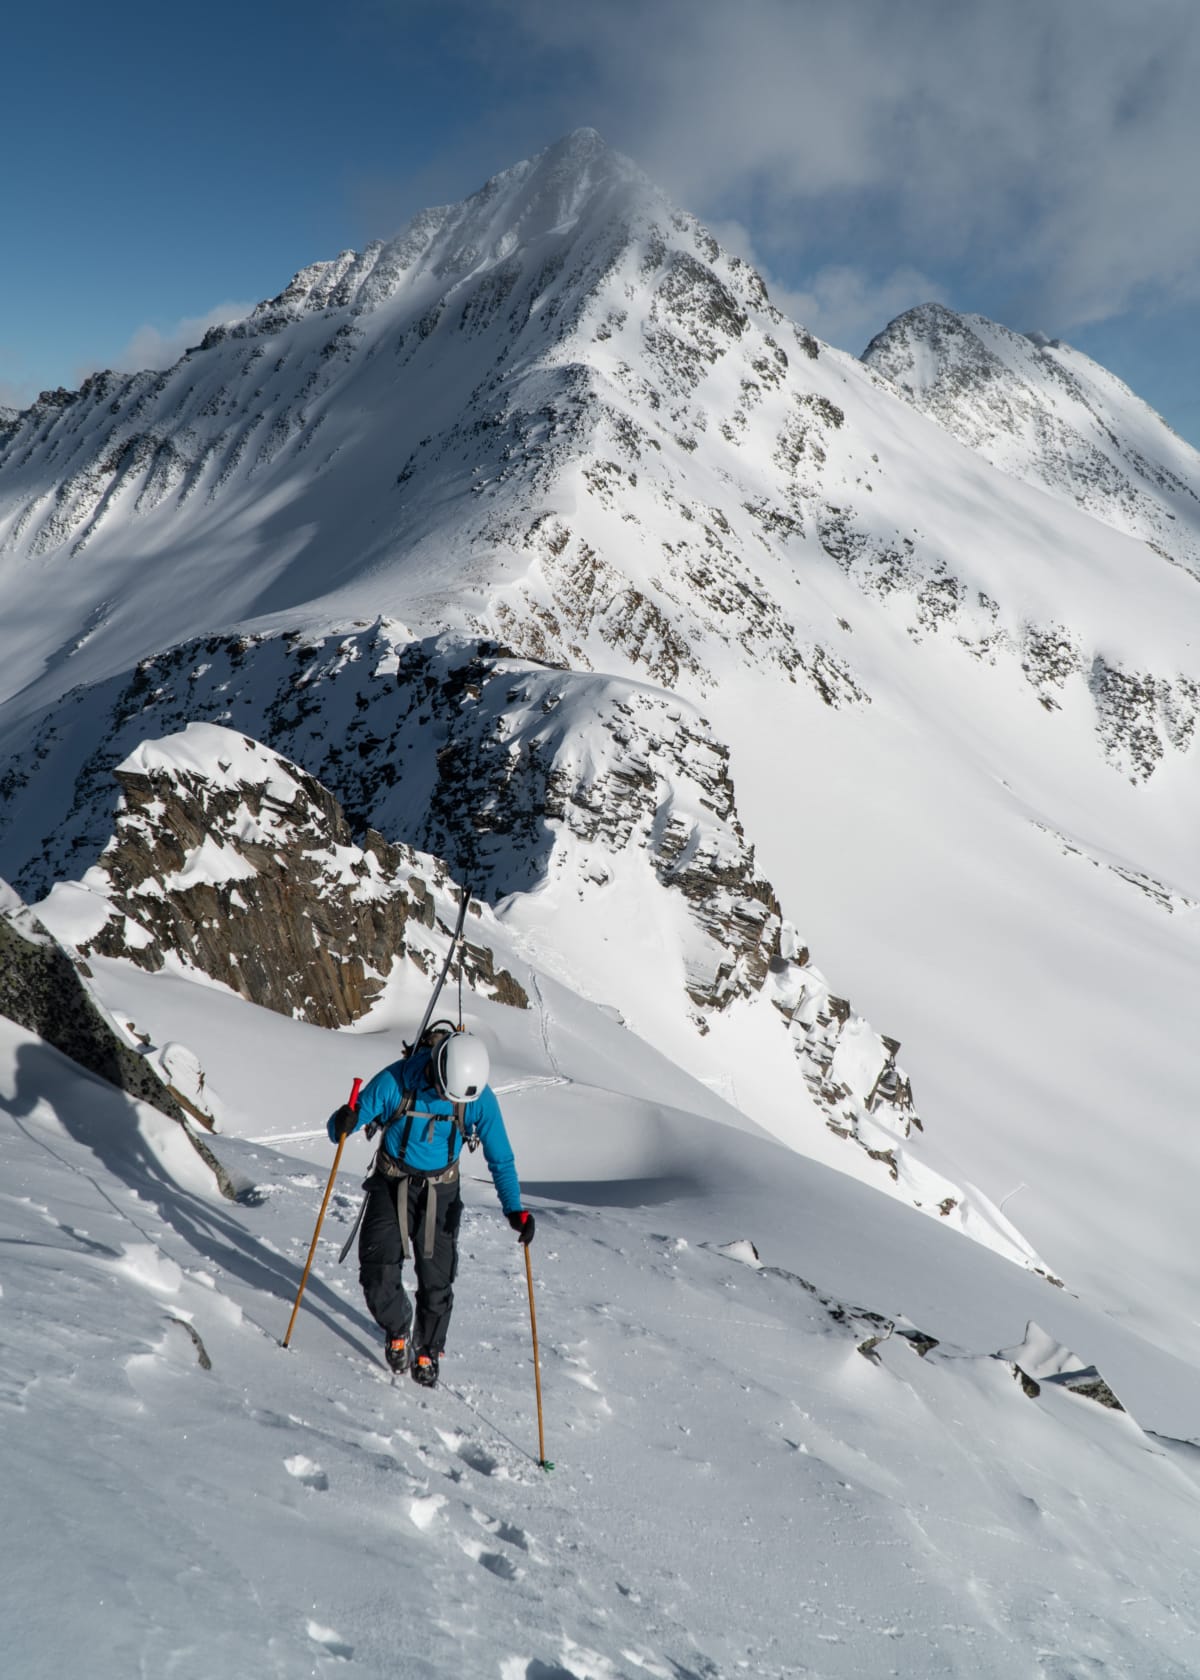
pixel 508 771
pixel 241 866
pixel 43 990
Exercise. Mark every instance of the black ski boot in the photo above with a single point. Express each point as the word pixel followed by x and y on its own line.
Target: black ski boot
pixel 395 1351
pixel 425 1369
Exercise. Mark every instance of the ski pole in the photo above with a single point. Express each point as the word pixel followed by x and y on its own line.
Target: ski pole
pixel 333 1172
pixel 543 1462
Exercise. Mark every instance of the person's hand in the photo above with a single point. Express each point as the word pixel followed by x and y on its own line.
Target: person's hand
pixel 341 1124
pixel 522 1224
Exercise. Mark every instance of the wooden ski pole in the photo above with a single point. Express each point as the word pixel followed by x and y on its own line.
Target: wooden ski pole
pixel 543 1462
pixel 312 1247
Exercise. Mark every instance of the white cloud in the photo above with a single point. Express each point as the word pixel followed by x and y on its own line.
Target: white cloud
pixel 1047 144
pixel 847 306
pixel 153 347
pixel 842 303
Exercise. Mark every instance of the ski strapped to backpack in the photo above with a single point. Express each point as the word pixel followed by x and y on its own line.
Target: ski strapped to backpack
pixel 431 1037
pixel 455 943
pixel 429 1040
pixel 396 1166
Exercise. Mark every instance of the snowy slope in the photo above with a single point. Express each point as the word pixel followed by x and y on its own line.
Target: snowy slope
pixel 1048 414
pixel 763 1465
pixel 959 713
pixel 228 863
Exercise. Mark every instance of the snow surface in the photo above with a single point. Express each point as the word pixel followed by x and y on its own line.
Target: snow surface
pixel 737 1487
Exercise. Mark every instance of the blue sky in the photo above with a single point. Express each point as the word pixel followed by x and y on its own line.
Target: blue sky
pixel 1033 160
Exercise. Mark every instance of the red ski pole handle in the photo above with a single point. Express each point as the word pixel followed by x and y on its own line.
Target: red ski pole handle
pixel 357 1087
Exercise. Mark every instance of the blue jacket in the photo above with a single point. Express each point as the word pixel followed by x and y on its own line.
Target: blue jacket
pixel 434 1142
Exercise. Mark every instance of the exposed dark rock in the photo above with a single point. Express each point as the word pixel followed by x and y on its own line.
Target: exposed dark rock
pixel 42 990
pixel 1029 1387
pixel 920 1343
pixel 245 867
pixel 1089 1385
pixel 202 1356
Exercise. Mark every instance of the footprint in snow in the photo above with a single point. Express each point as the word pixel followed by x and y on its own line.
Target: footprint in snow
pixel 475 1456
pixel 499 1530
pixel 307 1472
pixel 494 1562
pixel 332 1643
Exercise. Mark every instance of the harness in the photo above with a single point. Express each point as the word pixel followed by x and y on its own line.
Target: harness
pixel 396 1168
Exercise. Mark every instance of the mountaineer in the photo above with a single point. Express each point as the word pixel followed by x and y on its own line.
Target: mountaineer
pixel 427 1105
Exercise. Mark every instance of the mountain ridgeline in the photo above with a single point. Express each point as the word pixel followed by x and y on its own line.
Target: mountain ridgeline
pixel 561 415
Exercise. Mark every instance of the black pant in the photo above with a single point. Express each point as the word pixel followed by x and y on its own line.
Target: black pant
pixel 380 1259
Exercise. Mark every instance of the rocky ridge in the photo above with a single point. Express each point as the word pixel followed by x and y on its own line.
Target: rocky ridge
pixel 557 415
pixel 483 759
pixel 44 988
pixel 240 866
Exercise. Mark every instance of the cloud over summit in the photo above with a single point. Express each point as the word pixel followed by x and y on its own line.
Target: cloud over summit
pixel 1048 145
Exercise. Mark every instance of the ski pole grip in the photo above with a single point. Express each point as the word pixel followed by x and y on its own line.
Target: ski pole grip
pixel 355 1089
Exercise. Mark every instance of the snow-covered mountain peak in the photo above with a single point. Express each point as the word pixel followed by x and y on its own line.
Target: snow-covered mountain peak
pixel 1048 414
pixel 579 182
pixel 578 176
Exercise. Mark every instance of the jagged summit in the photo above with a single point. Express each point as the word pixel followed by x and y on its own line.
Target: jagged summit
pixel 1048 414
pixel 549 327
pixel 578 179
pixel 560 415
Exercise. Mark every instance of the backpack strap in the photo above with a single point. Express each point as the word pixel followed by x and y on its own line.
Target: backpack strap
pixel 407 1104
pixel 410 1113
pixel 459 1126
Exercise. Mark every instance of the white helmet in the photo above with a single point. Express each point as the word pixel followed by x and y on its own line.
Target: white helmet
pixel 460 1066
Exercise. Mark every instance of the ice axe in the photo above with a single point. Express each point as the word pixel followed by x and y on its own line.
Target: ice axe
pixel 333 1172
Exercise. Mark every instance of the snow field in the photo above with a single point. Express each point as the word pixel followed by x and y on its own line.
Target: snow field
pixel 738 1488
